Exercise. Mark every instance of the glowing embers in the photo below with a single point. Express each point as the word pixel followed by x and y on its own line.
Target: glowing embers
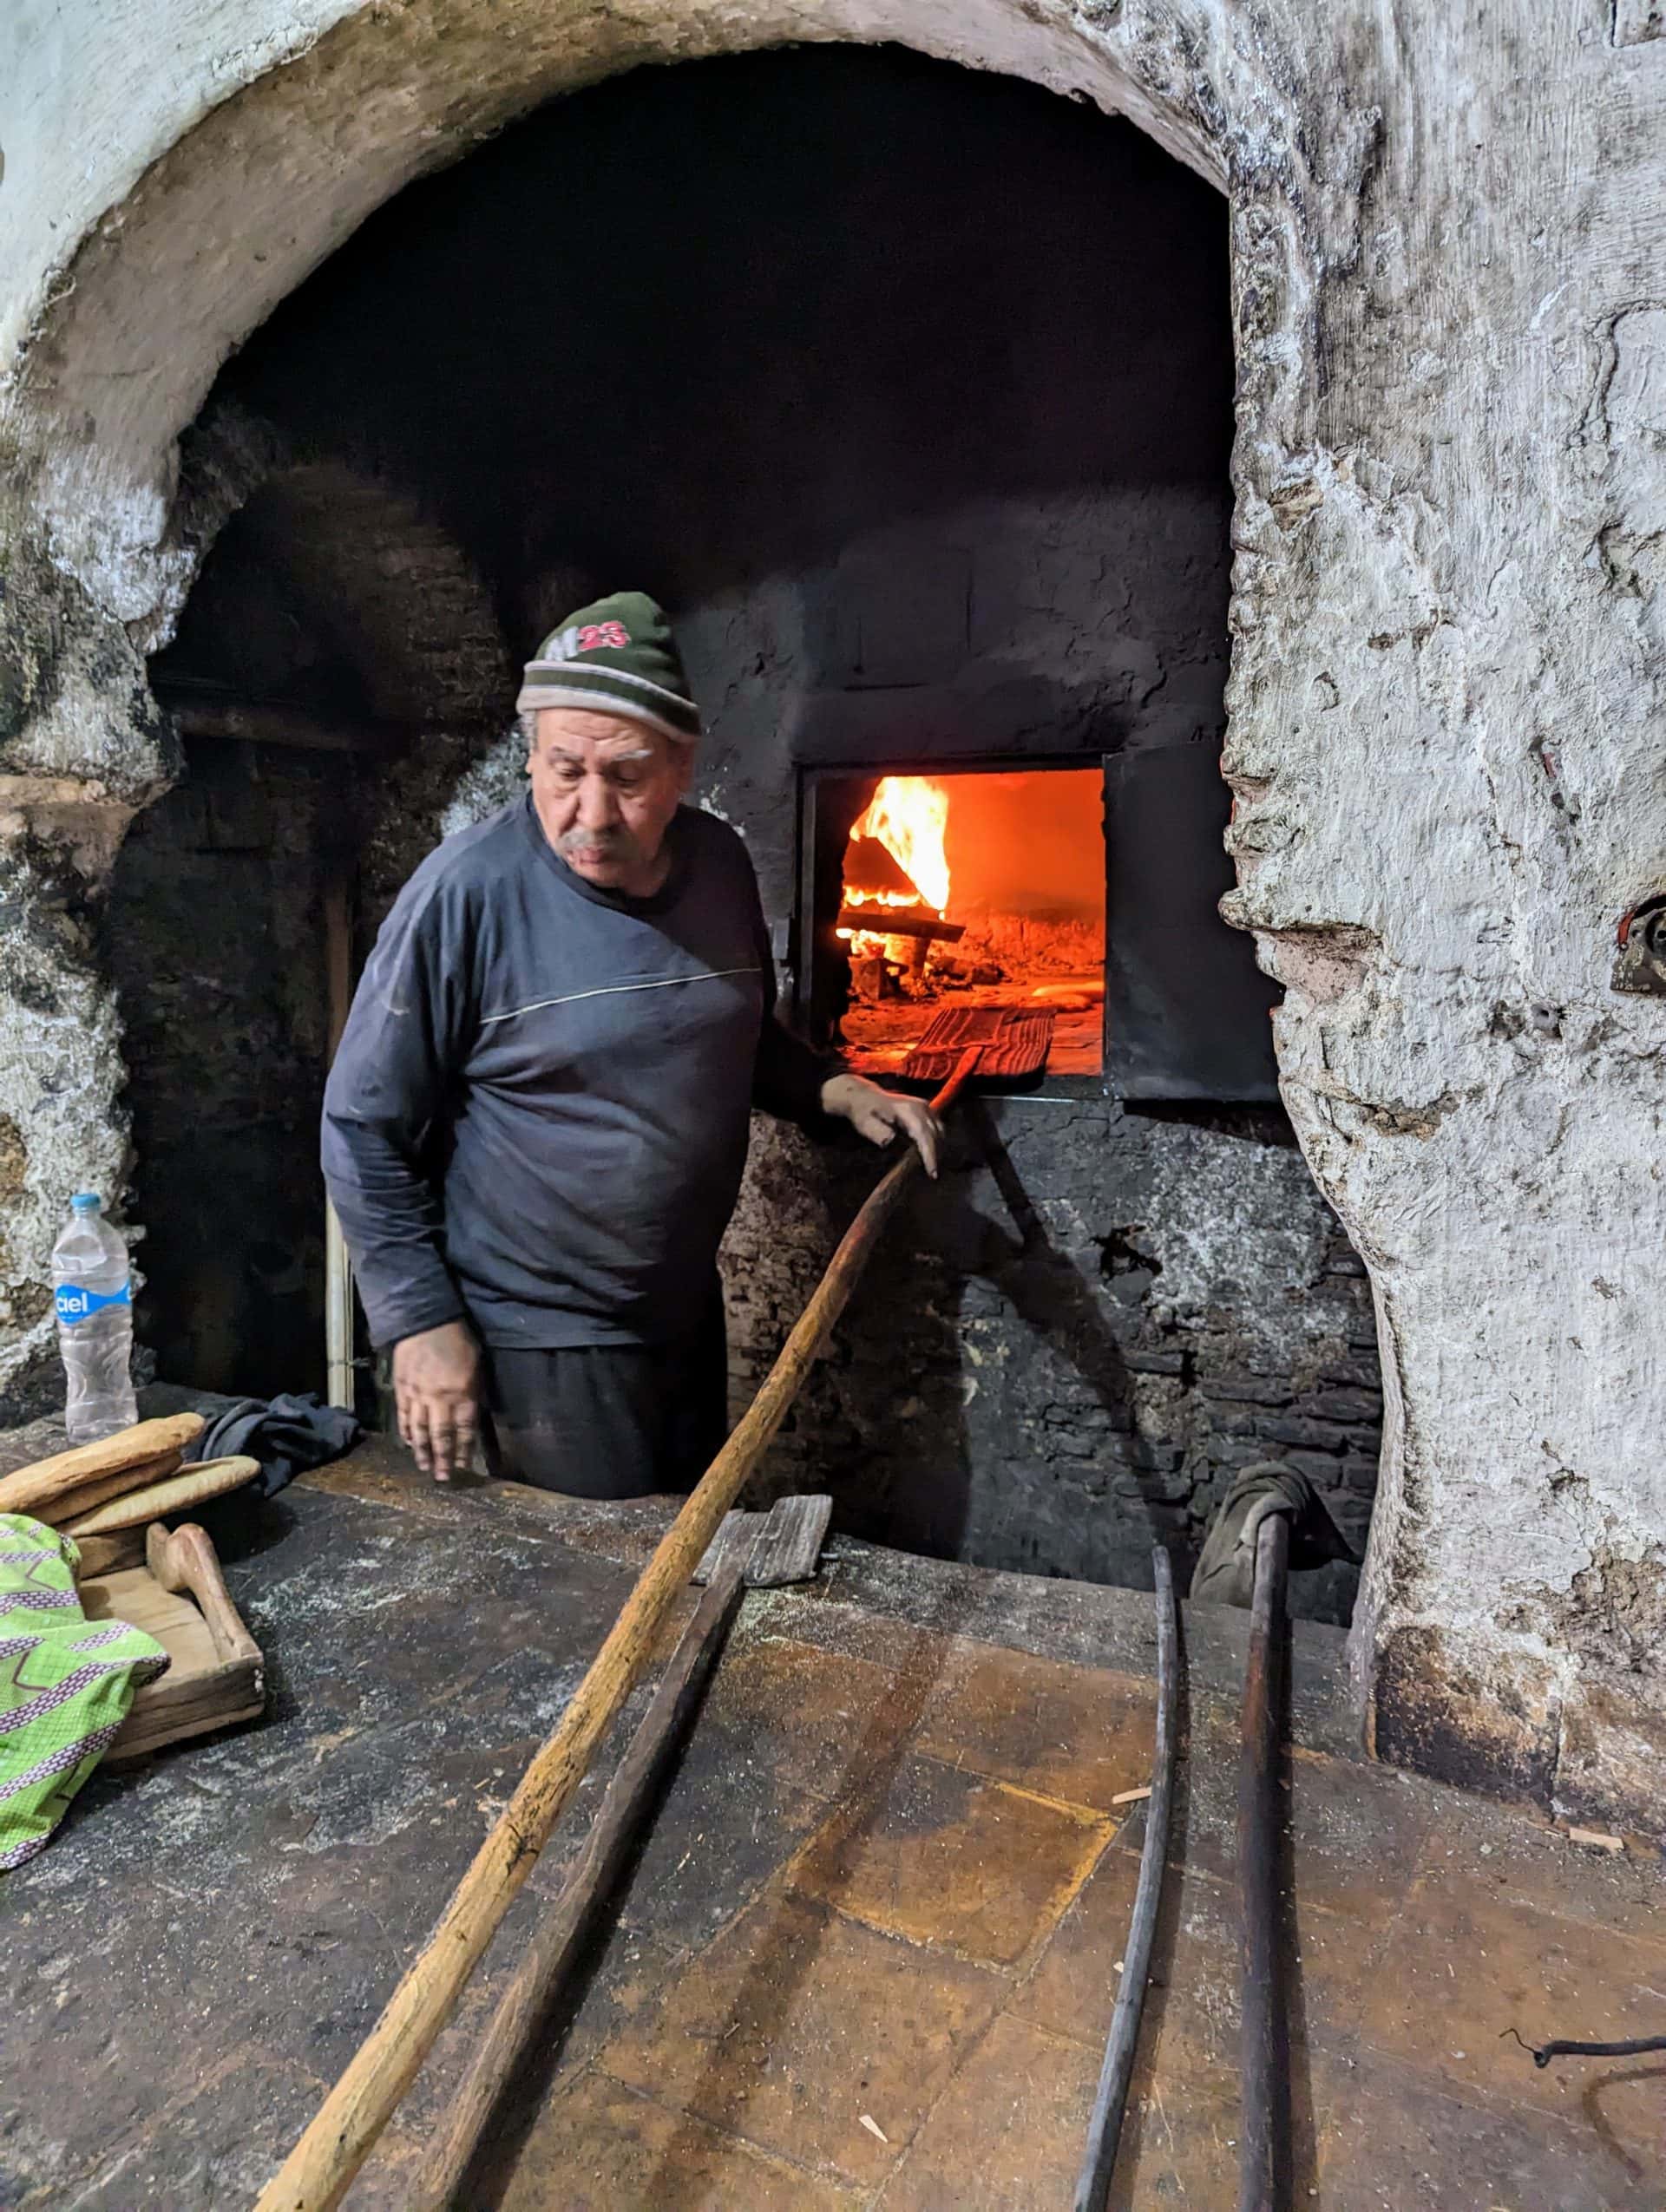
pixel 978 890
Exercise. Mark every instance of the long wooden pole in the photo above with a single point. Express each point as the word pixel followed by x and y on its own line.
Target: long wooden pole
pixel 318 2173
pixel 527 2004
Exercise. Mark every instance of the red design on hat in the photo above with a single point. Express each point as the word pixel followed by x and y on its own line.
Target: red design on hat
pixel 595 637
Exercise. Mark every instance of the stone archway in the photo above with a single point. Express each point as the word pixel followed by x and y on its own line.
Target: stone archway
pixel 258 178
pixel 1425 851
pixel 242 205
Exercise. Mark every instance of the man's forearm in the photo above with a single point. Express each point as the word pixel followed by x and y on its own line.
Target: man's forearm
pixel 392 1073
pixel 391 1220
pixel 789 1075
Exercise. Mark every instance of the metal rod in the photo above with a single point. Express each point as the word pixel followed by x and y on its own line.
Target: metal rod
pixel 1264 2132
pixel 339 1316
pixel 1634 2047
pixel 1104 2129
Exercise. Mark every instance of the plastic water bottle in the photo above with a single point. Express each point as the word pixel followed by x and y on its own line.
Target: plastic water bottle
pixel 95 1302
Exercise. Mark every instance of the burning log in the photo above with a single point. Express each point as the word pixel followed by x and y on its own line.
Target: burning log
pixel 872 871
pixel 900 921
pixel 884 910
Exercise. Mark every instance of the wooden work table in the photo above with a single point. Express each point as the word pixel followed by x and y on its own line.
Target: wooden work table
pixel 869 1954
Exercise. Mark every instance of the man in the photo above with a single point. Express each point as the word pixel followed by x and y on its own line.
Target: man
pixel 536 1123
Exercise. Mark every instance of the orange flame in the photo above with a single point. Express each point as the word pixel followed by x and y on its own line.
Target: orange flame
pixel 908 815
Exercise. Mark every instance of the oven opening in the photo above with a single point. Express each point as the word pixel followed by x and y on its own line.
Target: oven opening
pixel 957 905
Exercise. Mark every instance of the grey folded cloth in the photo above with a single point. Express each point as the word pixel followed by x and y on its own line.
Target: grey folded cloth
pixel 287 1434
pixel 1226 1573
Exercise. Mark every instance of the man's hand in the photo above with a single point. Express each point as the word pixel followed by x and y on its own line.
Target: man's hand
pixel 436 1388
pixel 880 1115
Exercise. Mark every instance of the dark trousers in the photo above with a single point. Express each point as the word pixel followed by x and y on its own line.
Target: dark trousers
pixel 609 1420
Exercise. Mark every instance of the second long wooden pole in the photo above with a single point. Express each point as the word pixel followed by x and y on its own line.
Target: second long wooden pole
pixel 1264 2168
pixel 318 2173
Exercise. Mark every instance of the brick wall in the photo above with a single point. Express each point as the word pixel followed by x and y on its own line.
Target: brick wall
pixel 1069 1348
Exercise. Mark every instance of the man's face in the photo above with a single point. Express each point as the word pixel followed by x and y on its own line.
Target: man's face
pixel 606 789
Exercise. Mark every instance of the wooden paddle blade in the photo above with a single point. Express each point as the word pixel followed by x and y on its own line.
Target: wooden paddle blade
pixel 1012 1044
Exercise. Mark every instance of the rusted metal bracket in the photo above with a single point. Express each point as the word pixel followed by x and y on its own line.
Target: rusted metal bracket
pixel 1641 964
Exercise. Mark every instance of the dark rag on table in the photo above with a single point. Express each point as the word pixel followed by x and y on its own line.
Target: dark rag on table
pixel 287 1435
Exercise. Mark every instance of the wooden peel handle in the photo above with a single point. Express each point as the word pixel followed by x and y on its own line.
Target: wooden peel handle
pixel 319 2170
pixel 525 2009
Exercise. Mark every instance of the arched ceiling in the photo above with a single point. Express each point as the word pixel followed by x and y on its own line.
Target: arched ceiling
pixel 227 220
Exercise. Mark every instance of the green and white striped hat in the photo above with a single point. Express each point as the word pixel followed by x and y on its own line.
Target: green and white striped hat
pixel 617 656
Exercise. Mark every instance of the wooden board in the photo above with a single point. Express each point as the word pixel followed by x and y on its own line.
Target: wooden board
pixel 217 1676
pixel 780 1546
pixel 1012 1044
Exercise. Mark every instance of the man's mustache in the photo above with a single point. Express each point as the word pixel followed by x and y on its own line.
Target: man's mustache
pixel 612 843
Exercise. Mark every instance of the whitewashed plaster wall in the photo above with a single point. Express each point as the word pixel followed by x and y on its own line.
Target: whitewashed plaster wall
pixel 1449 231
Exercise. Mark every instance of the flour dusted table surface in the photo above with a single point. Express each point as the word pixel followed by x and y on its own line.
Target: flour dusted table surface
pixel 909 1892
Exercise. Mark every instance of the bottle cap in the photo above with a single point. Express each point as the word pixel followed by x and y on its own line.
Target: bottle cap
pixel 87 1202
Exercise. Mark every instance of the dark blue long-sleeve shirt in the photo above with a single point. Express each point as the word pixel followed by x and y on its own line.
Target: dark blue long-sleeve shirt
pixel 538 1113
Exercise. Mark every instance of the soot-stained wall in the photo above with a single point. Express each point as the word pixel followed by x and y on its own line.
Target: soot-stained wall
pixel 1075 1341
pixel 909 392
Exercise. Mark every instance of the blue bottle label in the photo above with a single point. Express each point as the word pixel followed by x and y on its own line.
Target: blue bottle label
pixel 74 1304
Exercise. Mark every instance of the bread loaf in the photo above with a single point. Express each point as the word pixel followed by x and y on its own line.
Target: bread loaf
pixel 32 1487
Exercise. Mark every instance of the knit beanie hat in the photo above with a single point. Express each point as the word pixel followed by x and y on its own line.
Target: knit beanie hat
pixel 617 656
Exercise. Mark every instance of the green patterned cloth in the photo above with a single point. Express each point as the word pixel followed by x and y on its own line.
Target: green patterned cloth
pixel 66 1684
